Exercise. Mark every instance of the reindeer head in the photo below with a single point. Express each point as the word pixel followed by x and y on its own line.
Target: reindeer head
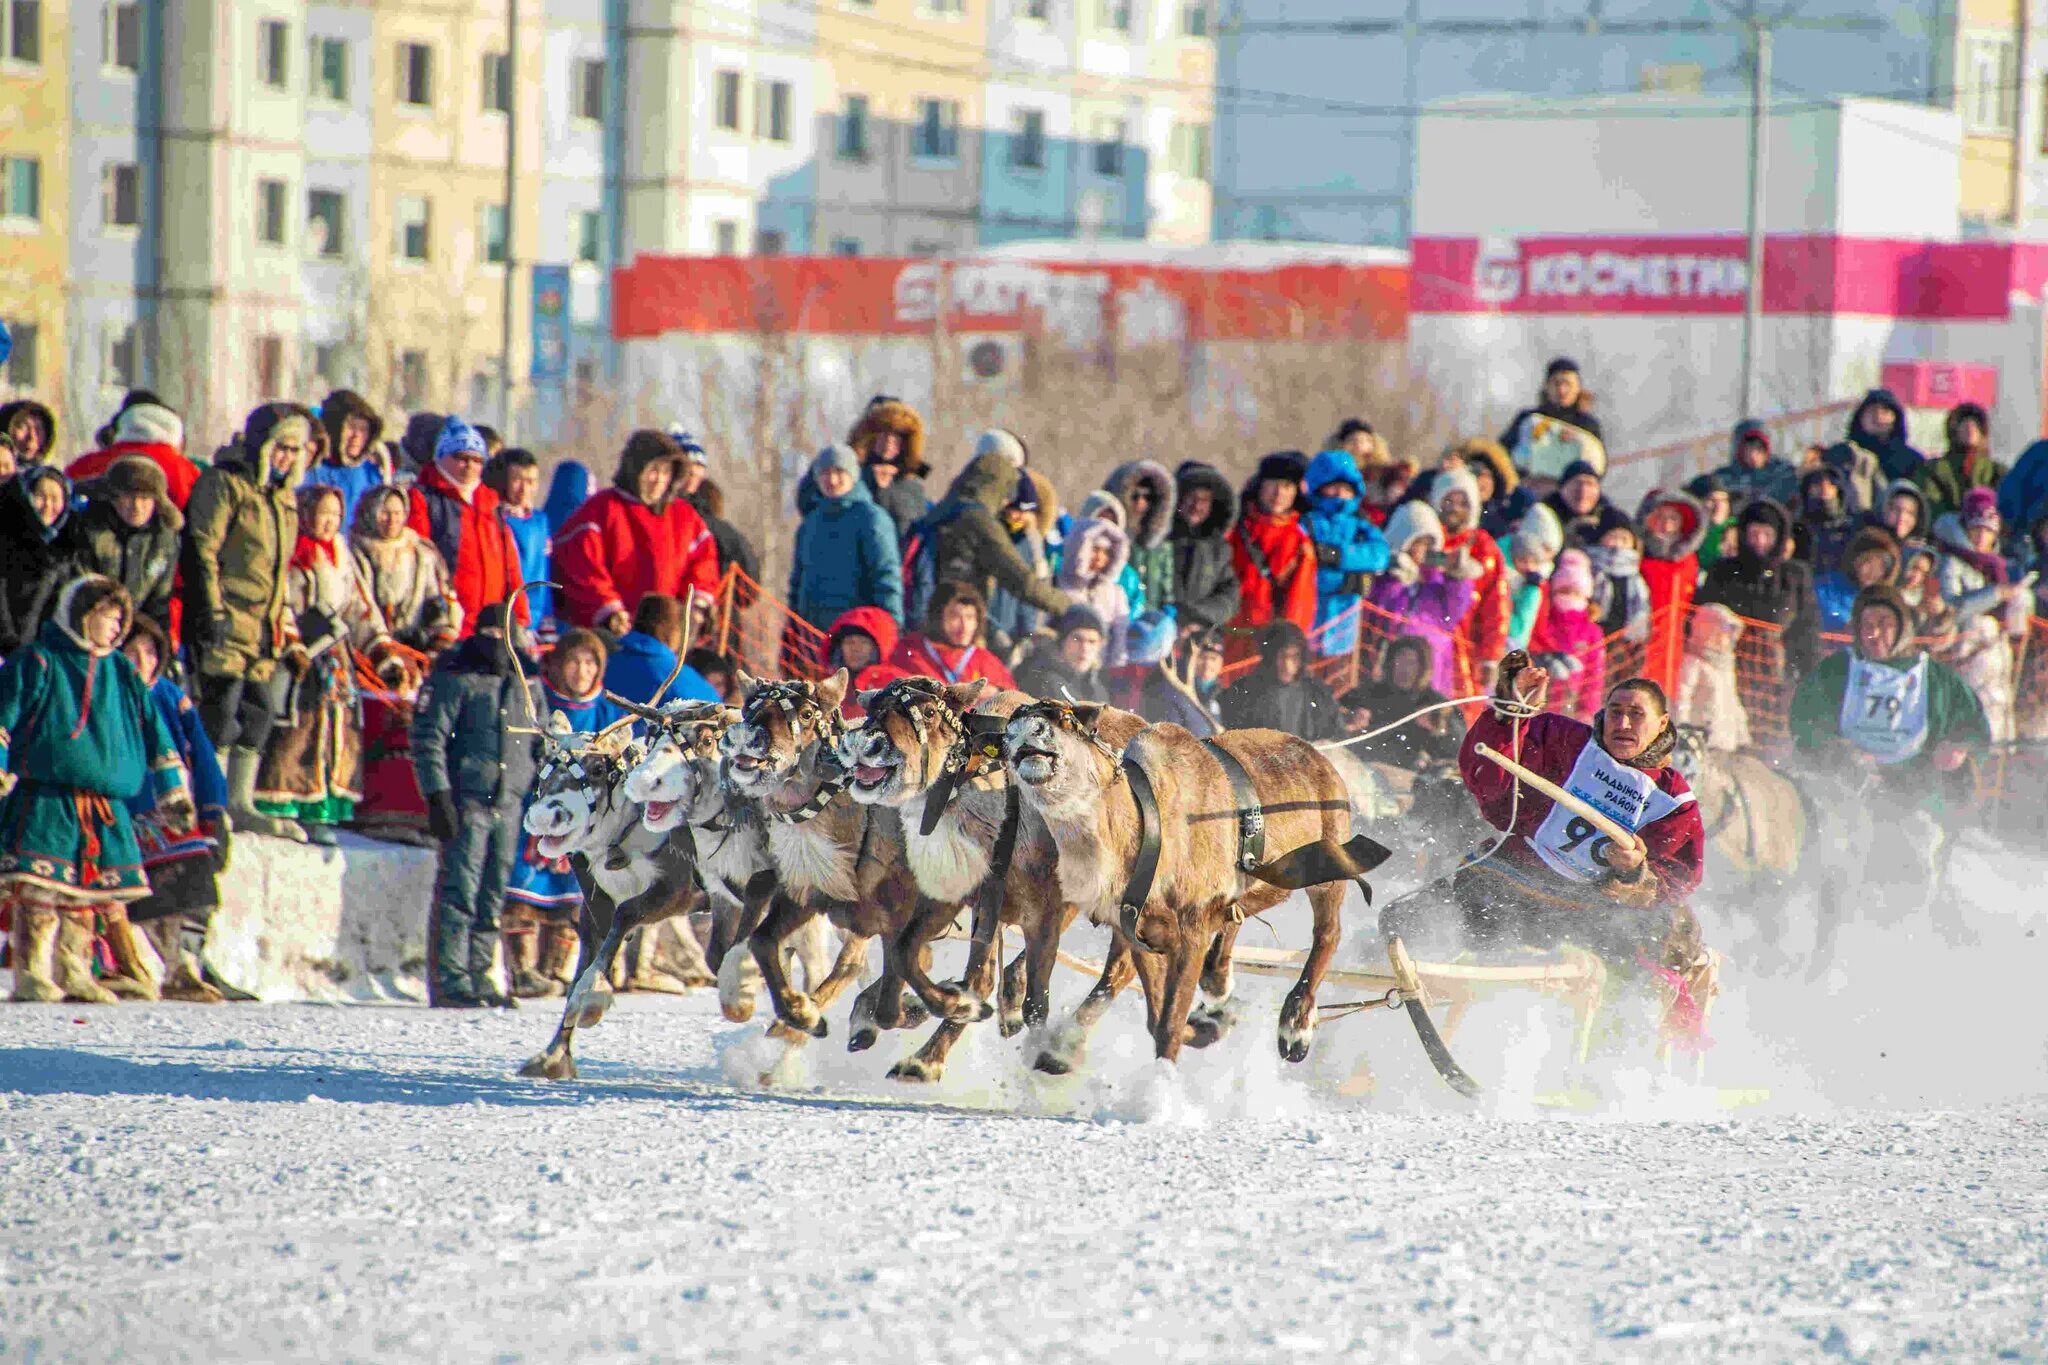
pixel 578 798
pixel 914 732
pixel 681 766
pixel 781 724
pixel 1053 751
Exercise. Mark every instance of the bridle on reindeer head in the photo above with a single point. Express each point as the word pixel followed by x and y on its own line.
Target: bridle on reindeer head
pixel 959 745
pixel 1079 721
pixel 803 711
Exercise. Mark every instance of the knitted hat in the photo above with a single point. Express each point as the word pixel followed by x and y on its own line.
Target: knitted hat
pixel 1025 499
pixel 457 437
pixel 1540 536
pixel 1412 519
pixel 693 453
pixel 1080 616
pixel 490 616
pixel 996 441
pixel 150 423
pixel 1561 365
pixel 136 477
pixel 1980 508
pixel 1576 468
pixel 836 456
pixel 1449 481
pixel 1574 576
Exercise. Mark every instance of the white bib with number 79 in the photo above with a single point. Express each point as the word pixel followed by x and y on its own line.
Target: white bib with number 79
pixel 1884 710
pixel 1569 844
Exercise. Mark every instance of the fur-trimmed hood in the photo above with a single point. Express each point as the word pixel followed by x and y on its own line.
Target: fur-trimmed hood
pixel 1048 514
pixel 1152 531
pixel 1872 539
pixel 1691 511
pixel 1080 542
pixel 1412 519
pixel 891 414
pixel 1494 456
pixel 1222 497
pixel 335 410
pixel 18 519
pixel 44 418
pixel 82 596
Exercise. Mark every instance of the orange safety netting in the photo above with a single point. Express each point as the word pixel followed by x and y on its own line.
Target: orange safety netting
pixel 762 633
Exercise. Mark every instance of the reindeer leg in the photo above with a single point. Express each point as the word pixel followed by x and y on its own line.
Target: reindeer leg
pixel 792 1008
pixel 1218 1011
pixel 928 1063
pixel 557 1062
pixel 963 1005
pixel 1180 978
pixel 845 970
pixel 1010 1008
pixel 1069 1042
pixel 1298 1015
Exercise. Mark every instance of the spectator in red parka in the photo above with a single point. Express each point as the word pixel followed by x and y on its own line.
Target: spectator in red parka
pixel 861 641
pixel 1673 526
pixel 1271 550
pixel 949 647
pixel 452 508
pixel 154 432
pixel 638 536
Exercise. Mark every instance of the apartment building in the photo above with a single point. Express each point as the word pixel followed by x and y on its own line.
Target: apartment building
pixel 35 212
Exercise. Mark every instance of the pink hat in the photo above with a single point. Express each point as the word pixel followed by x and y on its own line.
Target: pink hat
pixel 1980 508
pixel 1574 575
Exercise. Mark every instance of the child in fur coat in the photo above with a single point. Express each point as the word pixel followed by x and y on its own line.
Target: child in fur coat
pixel 1707 695
pixel 1091 568
pixel 1568 640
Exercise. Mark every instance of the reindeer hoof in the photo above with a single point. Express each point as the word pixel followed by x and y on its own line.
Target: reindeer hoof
pixel 1053 1065
pixel 592 1012
pixel 862 1039
pixel 914 1014
pixel 1293 1045
pixel 913 1069
pixel 736 1011
pixel 1012 1023
pixel 549 1066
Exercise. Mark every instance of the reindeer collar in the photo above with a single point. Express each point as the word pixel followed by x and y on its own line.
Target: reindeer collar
pixel 969 743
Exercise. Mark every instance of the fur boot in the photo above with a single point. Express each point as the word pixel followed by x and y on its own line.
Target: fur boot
pixel 558 956
pixel 243 763
pixel 138 974
pixel 648 972
pixel 522 958
pixel 182 976
pixel 74 960
pixel 35 943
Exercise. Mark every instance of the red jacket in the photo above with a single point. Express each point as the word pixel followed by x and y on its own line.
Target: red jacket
pixel 1675 844
pixel 1290 592
pixel 1484 630
pixel 615 549
pixel 877 625
pixel 1672 584
pixel 179 473
pixel 483 559
pixel 919 655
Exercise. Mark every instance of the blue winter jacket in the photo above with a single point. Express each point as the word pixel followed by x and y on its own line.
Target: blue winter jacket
pixel 1347 547
pixel 638 665
pixel 195 749
pixel 533 534
pixel 353 480
pixel 846 557
pixel 2024 488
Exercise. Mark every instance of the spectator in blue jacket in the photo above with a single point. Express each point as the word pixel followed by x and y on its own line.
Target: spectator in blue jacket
pixel 355 461
pixel 644 656
pixel 2024 487
pixel 846 552
pixel 568 490
pixel 1348 546
pixel 514 475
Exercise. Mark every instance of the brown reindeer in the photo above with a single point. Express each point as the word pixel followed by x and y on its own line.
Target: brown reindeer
pixel 924 743
pixel 1084 769
pixel 831 857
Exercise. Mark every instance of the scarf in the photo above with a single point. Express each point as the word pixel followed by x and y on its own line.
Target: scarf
pixel 310 553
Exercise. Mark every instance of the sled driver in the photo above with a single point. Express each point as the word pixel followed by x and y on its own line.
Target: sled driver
pixel 1555 878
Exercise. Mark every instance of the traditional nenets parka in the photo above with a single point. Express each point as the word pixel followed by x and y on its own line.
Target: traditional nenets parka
pixel 79 738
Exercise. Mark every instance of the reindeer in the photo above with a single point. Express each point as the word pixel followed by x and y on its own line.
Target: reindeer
pixel 930 752
pixel 831 857
pixel 1093 772
pixel 630 878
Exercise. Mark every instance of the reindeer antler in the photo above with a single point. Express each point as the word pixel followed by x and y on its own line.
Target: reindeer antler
pixel 533 725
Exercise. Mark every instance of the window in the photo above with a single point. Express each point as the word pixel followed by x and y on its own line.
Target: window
pixel 414 219
pixel 271 227
pixel 846 246
pixel 273 56
pixel 937 136
pixel 920 246
pixel 942 9
pixel 412 378
pixel 327 62
pixel 769 242
pixel 725 236
pixel 121 38
pixel 497 83
pixel 24 22
pixel 21 366
pixel 269 366
pixel 1039 11
pixel 1109 147
pixel 1114 15
pixel 590 89
pixel 326 212
pixel 21 189
pixel 726 97
pixel 121 195
pixel 589 237
pixel 853 129
pixel 1194 19
pixel 1990 67
pixel 1027 140
pixel 327 362
pixel 771 111
pixel 490 230
pixel 120 366
pixel 416 75
pixel 1188 152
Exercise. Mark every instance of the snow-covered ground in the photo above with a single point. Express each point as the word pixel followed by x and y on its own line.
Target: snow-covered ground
pixel 375 1183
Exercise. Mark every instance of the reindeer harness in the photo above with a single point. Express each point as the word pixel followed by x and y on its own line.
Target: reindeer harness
pixel 799 706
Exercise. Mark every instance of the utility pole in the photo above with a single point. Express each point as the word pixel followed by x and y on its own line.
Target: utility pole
pixel 1759 163
pixel 511 214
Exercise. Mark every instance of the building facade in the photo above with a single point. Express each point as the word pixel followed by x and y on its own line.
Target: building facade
pixel 1316 109
pixel 35 210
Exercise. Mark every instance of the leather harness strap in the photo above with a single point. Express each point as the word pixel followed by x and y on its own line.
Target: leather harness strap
pixel 1251 815
pixel 988 901
pixel 1145 866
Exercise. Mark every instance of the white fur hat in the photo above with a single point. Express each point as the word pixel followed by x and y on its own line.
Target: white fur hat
pixel 151 423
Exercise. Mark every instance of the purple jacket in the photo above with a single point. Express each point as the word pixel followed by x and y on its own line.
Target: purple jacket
pixel 1432 607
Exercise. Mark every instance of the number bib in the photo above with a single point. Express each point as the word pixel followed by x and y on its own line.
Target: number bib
pixel 1568 844
pixel 1884 710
